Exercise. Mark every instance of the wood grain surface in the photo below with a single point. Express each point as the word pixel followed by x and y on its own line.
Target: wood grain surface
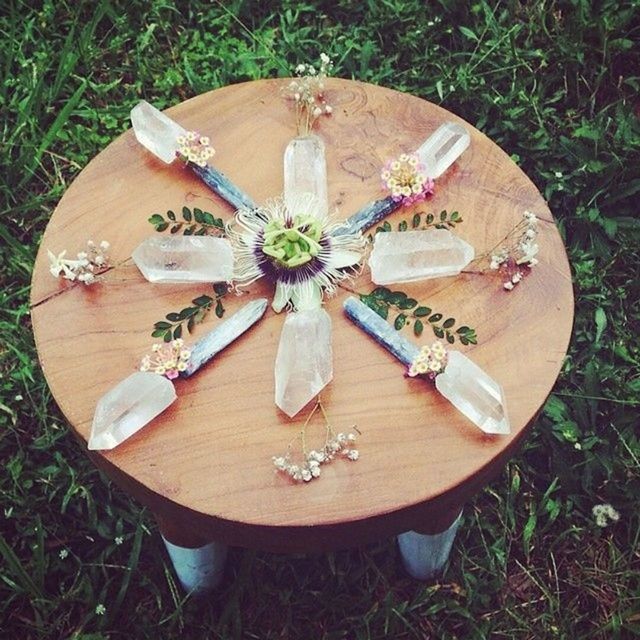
pixel 204 466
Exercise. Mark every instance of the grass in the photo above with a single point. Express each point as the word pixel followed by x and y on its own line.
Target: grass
pixel 554 83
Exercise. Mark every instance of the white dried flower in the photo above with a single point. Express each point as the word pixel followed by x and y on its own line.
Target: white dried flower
pixel 83 267
pixel 307 92
pixel 604 514
pixel 517 249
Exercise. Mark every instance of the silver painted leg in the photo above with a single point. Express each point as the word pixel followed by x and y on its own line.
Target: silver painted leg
pixel 199 570
pixel 424 556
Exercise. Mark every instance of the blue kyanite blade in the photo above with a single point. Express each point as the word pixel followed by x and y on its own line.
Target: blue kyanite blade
pixel 218 182
pixel 380 330
pixel 369 215
pixel 224 334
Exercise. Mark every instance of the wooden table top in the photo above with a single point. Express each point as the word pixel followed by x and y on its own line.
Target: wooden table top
pixel 206 461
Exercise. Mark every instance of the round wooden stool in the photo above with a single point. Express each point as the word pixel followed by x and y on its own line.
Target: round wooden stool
pixel 204 466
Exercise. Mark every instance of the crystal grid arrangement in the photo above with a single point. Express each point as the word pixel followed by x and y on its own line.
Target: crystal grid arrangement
pixel 463 383
pixel 438 152
pixel 138 399
pixel 303 364
pixel 158 133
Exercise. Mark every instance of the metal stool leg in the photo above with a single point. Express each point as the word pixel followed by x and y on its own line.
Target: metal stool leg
pixel 197 560
pixel 201 569
pixel 424 556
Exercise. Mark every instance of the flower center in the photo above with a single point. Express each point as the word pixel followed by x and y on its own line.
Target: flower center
pixel 293 242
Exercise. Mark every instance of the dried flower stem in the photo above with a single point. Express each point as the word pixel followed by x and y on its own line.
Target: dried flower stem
pixel 340 444
pixel 487 254
pixel 307 92
pixel 515 255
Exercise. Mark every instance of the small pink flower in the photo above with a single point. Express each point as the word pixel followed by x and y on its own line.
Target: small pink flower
pixel 168 359
pixel 406 180
pixel 430 361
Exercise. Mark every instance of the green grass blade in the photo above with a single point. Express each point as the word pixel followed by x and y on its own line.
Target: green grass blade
pixel 16 569
pixel 58 123
pixel 132 565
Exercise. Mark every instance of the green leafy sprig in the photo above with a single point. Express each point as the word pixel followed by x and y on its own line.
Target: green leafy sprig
pixel 172 326
pixel 423 221
pixel 409 311
pixel 193 223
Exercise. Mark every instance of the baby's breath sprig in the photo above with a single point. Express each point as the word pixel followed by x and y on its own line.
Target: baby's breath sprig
pixel 422 221
pixel 169 359
pixel 194 222
pixel 172 327
pixel 87 266
pixel 307 91
pixel 195 148
pixel 409 311
pixel 515 255
pixel 308 468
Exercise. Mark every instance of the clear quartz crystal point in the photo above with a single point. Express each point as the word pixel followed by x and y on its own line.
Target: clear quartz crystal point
pixel 305 171
pixel 155 131
pixel 405 256
pixel 127 407
pixel 443 148
pixel 476 395
pixel 304 363
pixel 185 259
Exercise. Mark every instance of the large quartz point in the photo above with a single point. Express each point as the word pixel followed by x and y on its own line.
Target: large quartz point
pixel 127 407
pixel 304 364
pixel 443 148
pixel 185 259
pixel 472 392
pixel 405 256
pixel 155 131
pixel 305 171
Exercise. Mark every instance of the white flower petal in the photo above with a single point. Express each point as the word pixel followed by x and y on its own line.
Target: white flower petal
pixel 305 204
pixel 341 258
pixel 280 297
pixel 306 296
